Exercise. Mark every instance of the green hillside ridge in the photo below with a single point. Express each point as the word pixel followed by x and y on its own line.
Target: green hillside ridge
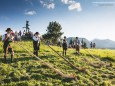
pixel 26 70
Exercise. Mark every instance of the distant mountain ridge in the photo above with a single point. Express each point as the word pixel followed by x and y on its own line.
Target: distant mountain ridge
pixel 105 43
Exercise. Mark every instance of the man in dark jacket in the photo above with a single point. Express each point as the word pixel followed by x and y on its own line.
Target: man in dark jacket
pixel 77 46
pixel 64 45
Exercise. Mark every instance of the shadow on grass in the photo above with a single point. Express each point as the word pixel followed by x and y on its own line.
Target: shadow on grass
pixel 107 59
pixel 8 60
pixel 47 56
pixel 24 59
pixel 1 60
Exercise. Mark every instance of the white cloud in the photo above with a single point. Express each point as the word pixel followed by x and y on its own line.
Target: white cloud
pixel 31 12
pixel 72 5
pixel 67 1
pixel 30 2
pixel 104 3
pixel 42 2
pixel 49 5
pixel 75 6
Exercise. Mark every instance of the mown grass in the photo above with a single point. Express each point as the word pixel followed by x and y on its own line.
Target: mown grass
pixel 26 70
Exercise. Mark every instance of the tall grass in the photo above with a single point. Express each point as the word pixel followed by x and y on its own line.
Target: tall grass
pixel 27 70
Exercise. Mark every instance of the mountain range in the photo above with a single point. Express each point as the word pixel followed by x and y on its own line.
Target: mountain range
pixel 105 43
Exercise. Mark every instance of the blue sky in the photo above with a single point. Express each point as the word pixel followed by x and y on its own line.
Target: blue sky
pixel 84 18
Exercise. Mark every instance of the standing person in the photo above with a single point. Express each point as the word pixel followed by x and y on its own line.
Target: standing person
pixel 36 43
pixel 94 45
pixel 77 46
pixel 7 39
pixel 20 33
pixel 24 32
pixel 91 45
pixel 59 43
pixel 16 36
pixel 70 43
pixel 64 45
pixel 82 43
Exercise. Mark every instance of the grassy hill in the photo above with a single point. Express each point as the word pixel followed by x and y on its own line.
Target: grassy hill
pixel 26 70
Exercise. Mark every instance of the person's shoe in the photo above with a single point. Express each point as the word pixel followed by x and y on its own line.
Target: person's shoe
pixel 36 53
pixel 77 53
pixel 4 59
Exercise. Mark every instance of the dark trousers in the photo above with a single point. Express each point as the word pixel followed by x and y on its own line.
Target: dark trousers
pixel 8 48
pixel 35 52
pixel 36 46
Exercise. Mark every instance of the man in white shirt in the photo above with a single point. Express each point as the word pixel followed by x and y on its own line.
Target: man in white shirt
pixel 7 39
pixel 36 43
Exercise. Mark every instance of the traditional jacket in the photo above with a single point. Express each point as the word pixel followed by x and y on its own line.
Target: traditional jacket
pixel 36 42
pixel 64 44
pixel 8 40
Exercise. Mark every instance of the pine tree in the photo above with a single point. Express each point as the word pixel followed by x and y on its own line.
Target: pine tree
pixel 53 32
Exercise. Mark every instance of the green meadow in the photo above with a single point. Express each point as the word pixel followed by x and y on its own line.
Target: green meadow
pixel 26 70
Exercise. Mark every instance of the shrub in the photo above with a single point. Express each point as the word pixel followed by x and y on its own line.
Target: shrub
pixel 7 80
pixel 24 78
pixel 25 83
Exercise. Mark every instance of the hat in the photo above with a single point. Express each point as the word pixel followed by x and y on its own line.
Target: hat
pixel 37 33
pixel 64 36
pixel 76 37
pixel 8 29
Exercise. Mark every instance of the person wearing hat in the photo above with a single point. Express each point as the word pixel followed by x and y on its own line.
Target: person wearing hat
pixel 64 45
pixel 77 46
pixel 36 43
pixel 7 39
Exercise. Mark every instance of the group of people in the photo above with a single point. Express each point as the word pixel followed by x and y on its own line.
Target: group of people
pixel 77 45
pixel 92 45
pixel 74 44
pixel 9 37
pixel 18 35
pixel 28 34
